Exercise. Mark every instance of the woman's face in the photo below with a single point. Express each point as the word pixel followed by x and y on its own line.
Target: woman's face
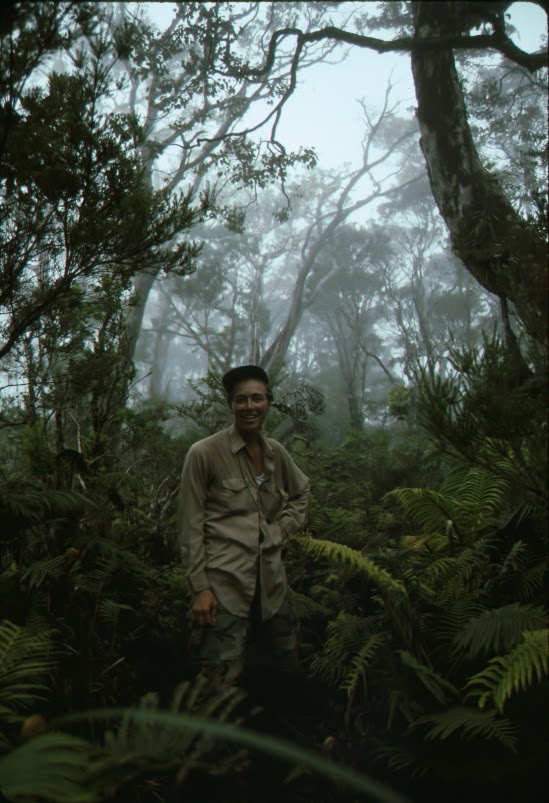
pixel 249 405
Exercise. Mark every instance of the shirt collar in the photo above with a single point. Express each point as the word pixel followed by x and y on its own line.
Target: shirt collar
pixel 237 441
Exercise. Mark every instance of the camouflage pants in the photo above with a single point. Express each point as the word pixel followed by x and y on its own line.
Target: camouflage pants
pixel 221 648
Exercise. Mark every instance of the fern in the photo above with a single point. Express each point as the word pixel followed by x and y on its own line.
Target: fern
pixel 453 618
pixel 54 767
pixel 464 565
pixel 530 582
pixel 440 688
pixel 357 562
pixel 427 509
pixel 248 739
pixel 469 723
pixel 357 672
pixel 40 570
pixel 498 629
pixel 307 608
pixel 26 657
pixel 514 559
pixel 481 493
pixel 345 637
pixel 32 506
pixel 513 672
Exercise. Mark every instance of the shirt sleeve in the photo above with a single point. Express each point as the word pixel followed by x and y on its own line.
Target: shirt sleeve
pixel 191 514
pixel 297 487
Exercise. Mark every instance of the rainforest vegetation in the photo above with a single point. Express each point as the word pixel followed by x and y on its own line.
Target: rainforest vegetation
pixel 155 230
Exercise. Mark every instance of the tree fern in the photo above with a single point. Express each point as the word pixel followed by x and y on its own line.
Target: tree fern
pixel 469 723
pixel 498 629
pixel 508 674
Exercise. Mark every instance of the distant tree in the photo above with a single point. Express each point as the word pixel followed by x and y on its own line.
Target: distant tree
pixel 351 309
pixel 256 283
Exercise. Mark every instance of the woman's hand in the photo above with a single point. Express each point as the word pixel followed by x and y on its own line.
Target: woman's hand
pixel 204 609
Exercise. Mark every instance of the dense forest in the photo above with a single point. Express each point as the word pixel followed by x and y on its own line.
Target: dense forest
pixel 156 230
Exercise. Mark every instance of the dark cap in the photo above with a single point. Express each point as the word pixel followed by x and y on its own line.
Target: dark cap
pixel 236 375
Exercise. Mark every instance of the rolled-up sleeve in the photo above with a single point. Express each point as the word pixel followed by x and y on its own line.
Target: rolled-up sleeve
pixel 297 487
pixel 191 515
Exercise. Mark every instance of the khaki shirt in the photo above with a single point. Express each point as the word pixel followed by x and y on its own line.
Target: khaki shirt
pixel 227 525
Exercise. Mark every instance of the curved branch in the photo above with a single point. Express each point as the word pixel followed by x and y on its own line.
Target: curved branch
pixel 496 41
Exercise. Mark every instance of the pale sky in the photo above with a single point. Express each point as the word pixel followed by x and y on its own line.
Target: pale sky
pixel 324 114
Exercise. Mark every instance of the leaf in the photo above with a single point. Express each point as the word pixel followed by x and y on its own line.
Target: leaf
pixel 53 767
pixel 251 739
pixel 511 673
pixel 498 629
pixel 440 688
pixel 469 723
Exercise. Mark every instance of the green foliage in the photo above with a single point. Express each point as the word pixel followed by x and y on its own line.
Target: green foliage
pixel 55 766
pixel 469 724
pixel 409 645
pixel 27 656
pixel 339 553
pixel 498 629
pixel 507 674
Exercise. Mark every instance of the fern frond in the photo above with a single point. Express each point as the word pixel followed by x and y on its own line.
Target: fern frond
pixel 427 509
pixel 481 493
pixel 498 629
pixel 26 657
pixel 455 616
pixel 464 565
pixel 469 723
pixel 51 767
pixel 39 571
pixel 32 506
pixel 513 561
pixel 511 673
pixel 357 672
pixel 360 661
pixel 345 636
pixel 307 608
pixel 357 562
pixel 530 582
pixel 440 688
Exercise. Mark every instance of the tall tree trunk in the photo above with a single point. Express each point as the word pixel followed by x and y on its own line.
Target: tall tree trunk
pixel 487 234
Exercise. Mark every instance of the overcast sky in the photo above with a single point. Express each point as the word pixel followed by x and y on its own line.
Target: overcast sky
pixel 323 112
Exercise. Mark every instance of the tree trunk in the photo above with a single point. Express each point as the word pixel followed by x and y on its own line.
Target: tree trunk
pixel 487 234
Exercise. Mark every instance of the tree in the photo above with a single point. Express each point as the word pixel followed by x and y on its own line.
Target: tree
pixel 78 220
pixel 487 233
pixel 256 284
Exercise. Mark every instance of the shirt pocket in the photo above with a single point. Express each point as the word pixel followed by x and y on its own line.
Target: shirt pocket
pixel 233 496
pixel 234 484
